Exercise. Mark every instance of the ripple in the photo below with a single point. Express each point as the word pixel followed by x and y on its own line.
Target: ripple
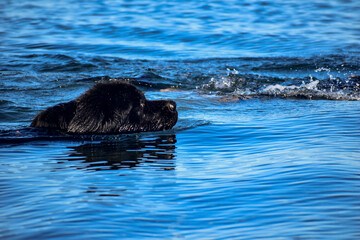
pixel 251 156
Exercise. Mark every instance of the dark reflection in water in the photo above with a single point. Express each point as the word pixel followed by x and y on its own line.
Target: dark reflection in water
pixel 128 153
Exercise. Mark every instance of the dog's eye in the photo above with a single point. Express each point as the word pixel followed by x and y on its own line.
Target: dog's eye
pixel 171 107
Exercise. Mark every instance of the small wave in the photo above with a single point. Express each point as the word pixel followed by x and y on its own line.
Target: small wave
pixel 29 134
pixel 5 102
pixel 185 124
pixel 49 56
pixel 308 91
pixel 10 112
pixel 331 88
pixel 328 62
pixel 73 66
pixel 149 80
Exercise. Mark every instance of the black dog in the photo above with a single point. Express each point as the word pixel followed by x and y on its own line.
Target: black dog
pixel 109 108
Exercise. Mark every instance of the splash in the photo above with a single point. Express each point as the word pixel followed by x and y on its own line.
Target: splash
pixel 327 70
pixel 332 88
pixel 292 89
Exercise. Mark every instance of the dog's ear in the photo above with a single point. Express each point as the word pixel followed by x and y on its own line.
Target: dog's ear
pixel 57 117
pixel 105 108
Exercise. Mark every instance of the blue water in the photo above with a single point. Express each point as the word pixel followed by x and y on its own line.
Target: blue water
pixel 267 143
pixel 180 29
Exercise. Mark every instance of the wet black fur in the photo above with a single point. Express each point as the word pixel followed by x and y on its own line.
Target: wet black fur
pixel 109 108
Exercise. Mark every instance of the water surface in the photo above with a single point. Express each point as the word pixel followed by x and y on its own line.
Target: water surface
pixel 267 143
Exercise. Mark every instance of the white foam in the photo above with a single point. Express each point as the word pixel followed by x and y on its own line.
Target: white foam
pixel 280 88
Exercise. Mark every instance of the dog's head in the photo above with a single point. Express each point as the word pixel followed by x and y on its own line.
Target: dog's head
pixel 119 107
